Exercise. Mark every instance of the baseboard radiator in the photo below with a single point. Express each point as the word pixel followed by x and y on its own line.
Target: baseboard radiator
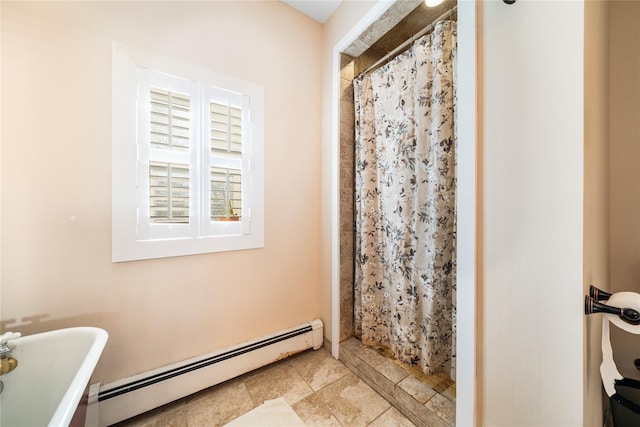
pixel 129 397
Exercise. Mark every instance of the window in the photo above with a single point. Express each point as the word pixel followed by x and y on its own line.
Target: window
pixel 187 159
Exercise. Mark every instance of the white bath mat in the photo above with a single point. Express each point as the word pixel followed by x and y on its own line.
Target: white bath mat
pixel 272 413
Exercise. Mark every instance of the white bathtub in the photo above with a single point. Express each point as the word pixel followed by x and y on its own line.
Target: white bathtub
pixel 53 371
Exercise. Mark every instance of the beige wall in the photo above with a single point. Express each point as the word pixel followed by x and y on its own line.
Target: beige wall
pixel 596 193
pixel 624 165
pixel 56 179
pixel 532 85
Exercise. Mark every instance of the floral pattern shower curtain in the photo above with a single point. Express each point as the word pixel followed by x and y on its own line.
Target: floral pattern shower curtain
pixel 405 288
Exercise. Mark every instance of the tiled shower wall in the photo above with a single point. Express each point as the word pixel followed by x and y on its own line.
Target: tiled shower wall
pixel 347 133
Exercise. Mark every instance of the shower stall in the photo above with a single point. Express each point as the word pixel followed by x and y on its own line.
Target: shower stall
pixel 398 294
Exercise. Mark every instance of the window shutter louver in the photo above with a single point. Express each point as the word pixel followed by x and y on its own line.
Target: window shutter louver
pixel 226 130
pixel 226 148
pixel 168 181
pixel 169 192
pixel 169 120
pixel 226 194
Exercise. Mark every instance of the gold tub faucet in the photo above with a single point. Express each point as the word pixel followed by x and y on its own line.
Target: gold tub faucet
pixel 7 363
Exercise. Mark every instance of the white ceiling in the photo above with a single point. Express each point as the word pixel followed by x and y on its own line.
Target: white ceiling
pixel 320 10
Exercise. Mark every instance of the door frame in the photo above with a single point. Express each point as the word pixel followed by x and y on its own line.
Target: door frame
pixel 466 201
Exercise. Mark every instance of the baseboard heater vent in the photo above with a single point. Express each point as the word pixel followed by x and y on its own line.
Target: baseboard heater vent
pixel 127 398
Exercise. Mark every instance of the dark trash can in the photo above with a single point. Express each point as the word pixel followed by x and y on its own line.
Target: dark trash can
pixel 625 403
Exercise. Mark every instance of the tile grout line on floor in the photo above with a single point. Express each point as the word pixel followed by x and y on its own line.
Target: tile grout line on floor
pixel 323 391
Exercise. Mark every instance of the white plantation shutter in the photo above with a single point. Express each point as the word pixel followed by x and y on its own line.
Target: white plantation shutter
pixel 192 159
pixel 169 182
pixel 187 159
pixel 228 162
pixel 226 150
pixel 167 157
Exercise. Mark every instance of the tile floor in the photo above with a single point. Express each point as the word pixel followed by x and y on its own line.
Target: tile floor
pixel 320 389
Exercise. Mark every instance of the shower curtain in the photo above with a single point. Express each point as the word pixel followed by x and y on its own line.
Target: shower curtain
pixel 405 289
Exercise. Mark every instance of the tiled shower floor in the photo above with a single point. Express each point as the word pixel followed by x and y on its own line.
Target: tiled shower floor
pixel 320 389
pixel 425 400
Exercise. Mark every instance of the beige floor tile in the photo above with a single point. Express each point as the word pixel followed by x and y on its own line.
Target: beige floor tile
pixel 416 388
pixel 350 344
pixel 219 405
pixel 444 382
pixel 443 407
pixel 392 418
pixel 392 371
pixel 450 393
pixel 174 418
pixel 319 368
pixel 340 398
pixel 315 413
pixel 281 380
pixel 170 415
pixel 352 401
pixel 369 355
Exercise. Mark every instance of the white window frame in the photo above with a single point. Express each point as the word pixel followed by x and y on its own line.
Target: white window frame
pixel 132 239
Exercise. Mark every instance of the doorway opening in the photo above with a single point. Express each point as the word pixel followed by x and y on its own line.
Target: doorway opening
pixel 428 399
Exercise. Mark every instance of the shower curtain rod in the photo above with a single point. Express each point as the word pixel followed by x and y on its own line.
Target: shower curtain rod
pixel 408 42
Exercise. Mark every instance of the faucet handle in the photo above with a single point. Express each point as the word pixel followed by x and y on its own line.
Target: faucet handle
pixel 9 336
